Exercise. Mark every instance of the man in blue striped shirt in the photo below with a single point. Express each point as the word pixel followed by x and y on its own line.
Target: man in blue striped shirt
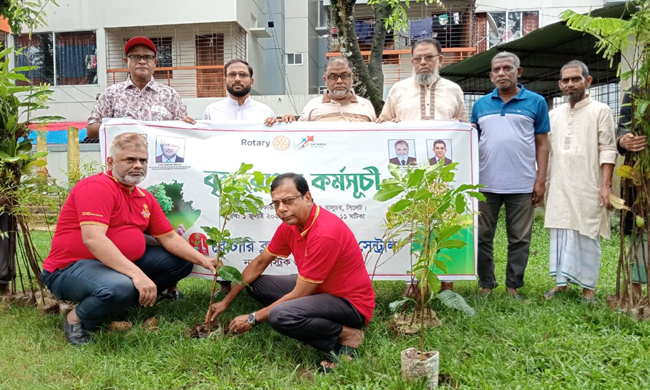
pixel 513 125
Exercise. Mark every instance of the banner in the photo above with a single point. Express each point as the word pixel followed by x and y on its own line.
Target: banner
pixel 342 162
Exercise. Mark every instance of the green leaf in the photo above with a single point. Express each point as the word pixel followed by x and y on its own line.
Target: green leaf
pixel 259 178
pixel 388 192
pixel 432 281
pixel 243 168
pixel 395 170
pixel 24 146
pixel 422 193
pixel 39 154
pixel 401 205
pixel 461 204
pixel 441 265
pixel 452 244
pixel 415 178
pixel 477 195
pixel 397 305
pixel 447 232
pixel 231 274
pixel 455 301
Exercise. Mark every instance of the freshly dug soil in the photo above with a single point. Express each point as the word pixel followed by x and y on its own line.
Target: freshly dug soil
pixel 402 325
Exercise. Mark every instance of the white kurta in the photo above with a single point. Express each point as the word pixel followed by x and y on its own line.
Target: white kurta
pixel 581 140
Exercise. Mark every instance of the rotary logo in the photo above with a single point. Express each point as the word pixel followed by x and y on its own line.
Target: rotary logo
pixel 281 142
pixel 145 211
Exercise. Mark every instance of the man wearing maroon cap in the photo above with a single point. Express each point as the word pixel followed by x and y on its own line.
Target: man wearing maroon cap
pixel 140 97
pixel 99 257
pixel 330 299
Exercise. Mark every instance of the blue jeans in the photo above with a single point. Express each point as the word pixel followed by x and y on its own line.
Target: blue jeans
pixel 101 291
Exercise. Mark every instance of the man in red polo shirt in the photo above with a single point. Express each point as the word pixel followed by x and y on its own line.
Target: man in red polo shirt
pixel 330 299
pixel 99 257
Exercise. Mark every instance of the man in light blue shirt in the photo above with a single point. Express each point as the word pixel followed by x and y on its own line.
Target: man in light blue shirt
pixel 513 125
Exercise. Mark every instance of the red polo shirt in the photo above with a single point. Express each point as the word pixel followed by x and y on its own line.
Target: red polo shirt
pixel 327 253
pixel 102 200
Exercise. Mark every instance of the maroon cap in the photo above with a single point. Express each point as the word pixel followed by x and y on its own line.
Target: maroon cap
pixel 139 41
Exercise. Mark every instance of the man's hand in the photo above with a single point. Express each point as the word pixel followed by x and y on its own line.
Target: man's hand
pixel 181 230
pixel 240 325
pixel 382 120
pixel 211 264
pixel 538 193
pixel 632 143
pixel 270 121
pixel 190 120
pixel 147 289
pixel 605 190
pixel 217 309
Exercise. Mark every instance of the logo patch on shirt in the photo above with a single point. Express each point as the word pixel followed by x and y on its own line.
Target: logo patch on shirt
pixel 145 211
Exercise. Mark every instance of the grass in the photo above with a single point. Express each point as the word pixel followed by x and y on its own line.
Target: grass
pixel 509 344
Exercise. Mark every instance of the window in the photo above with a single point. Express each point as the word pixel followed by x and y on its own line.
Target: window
pixel 76 58
pixel 294 59
pixel 508 26
pixel 322 15
pixel 61 58
pixel 37 51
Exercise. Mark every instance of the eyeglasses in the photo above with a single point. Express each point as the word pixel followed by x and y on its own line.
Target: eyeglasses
pixel 427 58
pixel 343 76
pixel 242 75
pixel 138 58
pixel 286 201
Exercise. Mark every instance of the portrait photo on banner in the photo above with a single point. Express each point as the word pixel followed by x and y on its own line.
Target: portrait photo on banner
pixel 170 149
pixel 402 152
pixel 439 149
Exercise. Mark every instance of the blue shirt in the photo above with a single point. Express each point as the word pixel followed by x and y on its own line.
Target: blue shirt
pixel 506 146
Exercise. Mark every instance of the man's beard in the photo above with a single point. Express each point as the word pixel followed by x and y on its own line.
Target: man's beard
pixel 426 78
pixel 241 93
pixel 339 94
pixel 129 180
pixel 576 97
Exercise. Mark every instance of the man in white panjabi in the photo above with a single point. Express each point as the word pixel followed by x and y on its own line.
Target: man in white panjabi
pixel 425 96
pixel 583 154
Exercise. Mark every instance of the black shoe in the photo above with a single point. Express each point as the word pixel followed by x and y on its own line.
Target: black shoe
pixel 175 295
pixel 75 333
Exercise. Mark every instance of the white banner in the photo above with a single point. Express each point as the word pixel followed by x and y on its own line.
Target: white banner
pixel 342 162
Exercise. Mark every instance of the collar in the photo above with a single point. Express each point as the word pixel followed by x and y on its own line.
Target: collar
pixel 581 103
pixel 234 101
pixel 351 98
pixel 520 95
pixel 136 190
pixel 313 214
pixel 152 85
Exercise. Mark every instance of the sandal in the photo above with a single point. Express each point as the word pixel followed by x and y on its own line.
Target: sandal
pixel 334 356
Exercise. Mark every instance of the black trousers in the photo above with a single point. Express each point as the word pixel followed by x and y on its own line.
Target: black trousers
pixel 316 320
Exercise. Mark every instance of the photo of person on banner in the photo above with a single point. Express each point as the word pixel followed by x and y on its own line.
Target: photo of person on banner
pixel 441 151
pixel 398 152
pixel 172 150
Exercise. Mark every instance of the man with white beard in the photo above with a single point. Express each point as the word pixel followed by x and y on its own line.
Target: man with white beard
pixel 99 257
pixel 425 95
pixel 339 103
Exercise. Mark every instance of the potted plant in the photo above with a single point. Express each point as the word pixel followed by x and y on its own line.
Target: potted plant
pixel 235 192
pixel 429 215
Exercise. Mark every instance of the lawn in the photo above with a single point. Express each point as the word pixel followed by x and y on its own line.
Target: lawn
pixel 509 344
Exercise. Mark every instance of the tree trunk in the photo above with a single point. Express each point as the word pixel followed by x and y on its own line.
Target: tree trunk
pixel 369 79
pixel 8 227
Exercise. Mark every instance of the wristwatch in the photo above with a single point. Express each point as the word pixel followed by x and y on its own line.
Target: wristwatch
pixel 251 319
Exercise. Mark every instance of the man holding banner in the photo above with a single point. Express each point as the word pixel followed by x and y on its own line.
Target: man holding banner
pixel 425 96
pixel 99 257
pixel 140 97
pixel 330 299
pixel 339 103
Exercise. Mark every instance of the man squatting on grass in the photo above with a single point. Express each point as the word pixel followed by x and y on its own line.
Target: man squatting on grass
pixel 330 299
pixel 99 257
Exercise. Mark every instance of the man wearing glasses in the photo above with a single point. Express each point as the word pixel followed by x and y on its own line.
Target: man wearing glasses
pixel 330 299
pixel 339 103
pixel 238 106
pixel 140 97
pixel 425 95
